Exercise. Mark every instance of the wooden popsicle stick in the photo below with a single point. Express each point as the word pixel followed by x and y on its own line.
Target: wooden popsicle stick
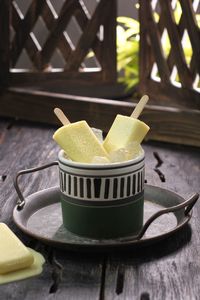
pixel 61 116
pixel 139 107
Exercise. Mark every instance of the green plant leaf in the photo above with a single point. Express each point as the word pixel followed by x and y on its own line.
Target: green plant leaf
pixel 177 12
pixel 130 33
pixel 198 19
pixel 127 51
pixel 121 36
pixel 156 17
pixel 129 22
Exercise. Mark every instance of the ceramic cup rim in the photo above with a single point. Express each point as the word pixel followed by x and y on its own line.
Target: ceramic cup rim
pixel 72 163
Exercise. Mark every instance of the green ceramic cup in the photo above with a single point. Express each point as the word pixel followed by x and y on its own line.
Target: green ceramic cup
pixel 102 201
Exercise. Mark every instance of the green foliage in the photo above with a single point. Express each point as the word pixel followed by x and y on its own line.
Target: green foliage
pixel 128 51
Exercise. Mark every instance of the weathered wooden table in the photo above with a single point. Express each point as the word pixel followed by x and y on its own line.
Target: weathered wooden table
pixel 167 270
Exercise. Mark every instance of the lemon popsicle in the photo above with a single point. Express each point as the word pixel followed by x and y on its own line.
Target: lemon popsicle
pixel 13 253
pixel 34 269
pixel 78 140
pixel 126 130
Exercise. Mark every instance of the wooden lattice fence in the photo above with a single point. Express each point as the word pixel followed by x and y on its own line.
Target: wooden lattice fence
pixel 170 79
pixel 170 75
pixel 97 36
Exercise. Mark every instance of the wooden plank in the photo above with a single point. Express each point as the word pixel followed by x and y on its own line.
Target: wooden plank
pixel 129 275
pixel 37 78
pixel 170 95
pixel 183 70
pixel 4 46
pixel 57 39
pixel 185 95
pixel 83 20
pixel 50 22
pixel 32 50
pixel 108 58
pixel 80 274
pixel 169 269
pixel 57 30
pixel 87 38
pixel 86 88
pixel 15 157
pixel 30 45
pixel 193 30
pixel 171 60
pixel 155 38
pixel 146 58
pixel 22 33
pixel 177 125
pixel 184 23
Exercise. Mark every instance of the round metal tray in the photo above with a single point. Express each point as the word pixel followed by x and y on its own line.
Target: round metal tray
pixel 41 218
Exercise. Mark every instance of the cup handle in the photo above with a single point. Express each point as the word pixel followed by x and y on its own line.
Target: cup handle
pixel 21 201
pixel 187 204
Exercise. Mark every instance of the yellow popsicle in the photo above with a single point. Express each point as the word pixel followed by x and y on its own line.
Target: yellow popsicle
pixel 33 270
pixel 78 140
pixel 13 253
pixel 126 130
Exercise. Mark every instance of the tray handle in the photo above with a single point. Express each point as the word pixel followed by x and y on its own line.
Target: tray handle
pixel 21 201
pixel 188 205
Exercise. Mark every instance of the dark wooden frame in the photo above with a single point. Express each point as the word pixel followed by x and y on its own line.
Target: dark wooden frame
pixel 169 124
pixel 104 15
pixel 151 51
pixel 169 121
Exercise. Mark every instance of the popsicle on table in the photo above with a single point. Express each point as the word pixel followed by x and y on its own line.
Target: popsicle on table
pixel 77 140
pixel 14 255
pixel 126 130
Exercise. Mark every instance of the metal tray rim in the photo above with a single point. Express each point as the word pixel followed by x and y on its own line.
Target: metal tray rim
pixel 117 243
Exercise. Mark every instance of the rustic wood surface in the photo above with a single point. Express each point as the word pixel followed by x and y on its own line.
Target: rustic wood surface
pixel 167 270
